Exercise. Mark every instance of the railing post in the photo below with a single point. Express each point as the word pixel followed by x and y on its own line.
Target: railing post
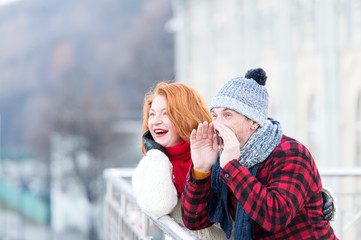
pixel 109 196
pixel 145 226
pixel 109 190
pixel 341 224
pixel 123 212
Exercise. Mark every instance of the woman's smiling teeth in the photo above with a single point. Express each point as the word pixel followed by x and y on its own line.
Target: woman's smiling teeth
pixel 160 132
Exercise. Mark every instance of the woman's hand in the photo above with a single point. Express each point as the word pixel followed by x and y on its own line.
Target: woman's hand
pixel 204 147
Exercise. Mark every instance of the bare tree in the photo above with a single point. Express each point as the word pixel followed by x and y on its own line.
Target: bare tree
pixel 77 106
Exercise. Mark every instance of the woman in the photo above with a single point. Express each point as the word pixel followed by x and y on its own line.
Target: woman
pixel 170 114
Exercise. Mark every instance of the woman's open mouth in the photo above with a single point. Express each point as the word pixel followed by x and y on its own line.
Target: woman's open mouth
pixel 160 132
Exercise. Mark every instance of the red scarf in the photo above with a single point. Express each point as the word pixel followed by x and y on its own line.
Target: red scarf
pixel 180 157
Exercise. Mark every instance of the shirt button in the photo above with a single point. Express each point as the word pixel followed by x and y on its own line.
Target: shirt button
pixel 227 175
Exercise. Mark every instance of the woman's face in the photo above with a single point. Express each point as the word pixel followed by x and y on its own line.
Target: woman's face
pixel 160 126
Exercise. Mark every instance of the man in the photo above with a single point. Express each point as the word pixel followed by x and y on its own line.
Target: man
pixel 266 182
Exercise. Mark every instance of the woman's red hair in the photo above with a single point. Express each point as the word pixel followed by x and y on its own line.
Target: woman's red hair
pixel 185 108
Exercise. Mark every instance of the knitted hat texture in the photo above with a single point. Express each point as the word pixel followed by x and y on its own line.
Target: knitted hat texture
pixel 246 95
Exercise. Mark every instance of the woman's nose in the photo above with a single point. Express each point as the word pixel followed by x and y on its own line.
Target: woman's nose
pixel 157 119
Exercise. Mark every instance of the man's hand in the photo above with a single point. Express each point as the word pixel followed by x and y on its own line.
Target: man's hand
pixel 231 147
pixel 204 147
pixel 328 209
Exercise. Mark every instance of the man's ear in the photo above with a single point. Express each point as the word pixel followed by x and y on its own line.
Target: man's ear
pixel 254 125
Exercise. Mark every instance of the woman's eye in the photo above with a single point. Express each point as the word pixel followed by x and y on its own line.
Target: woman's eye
pixel 151 114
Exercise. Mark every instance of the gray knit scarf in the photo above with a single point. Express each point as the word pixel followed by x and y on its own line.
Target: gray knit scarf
pixel 256 150
pixel 260 145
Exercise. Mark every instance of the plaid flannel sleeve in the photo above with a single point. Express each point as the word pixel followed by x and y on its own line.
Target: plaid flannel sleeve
pixel 290 179
pixel 194 202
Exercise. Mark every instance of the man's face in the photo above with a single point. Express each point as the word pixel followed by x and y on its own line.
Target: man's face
pixel 238 123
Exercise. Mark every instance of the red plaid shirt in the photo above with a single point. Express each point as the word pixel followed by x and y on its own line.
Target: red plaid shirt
pixel 284 198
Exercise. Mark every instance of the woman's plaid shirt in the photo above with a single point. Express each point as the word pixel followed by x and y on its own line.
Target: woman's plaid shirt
pixel 284 198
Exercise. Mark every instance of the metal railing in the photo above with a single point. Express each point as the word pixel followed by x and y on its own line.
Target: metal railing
pixel 125 220
pixel 346 187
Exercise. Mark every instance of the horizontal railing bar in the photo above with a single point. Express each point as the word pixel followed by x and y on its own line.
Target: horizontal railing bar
pixel 330 172
pixel 174 229
pixel 340 172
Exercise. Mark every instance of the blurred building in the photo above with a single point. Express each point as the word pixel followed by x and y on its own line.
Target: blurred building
pixel 311 51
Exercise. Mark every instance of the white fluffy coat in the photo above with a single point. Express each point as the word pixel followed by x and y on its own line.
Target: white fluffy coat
pixel 153 185
pixel 157 195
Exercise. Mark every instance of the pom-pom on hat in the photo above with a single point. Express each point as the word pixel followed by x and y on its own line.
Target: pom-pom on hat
pixel 246 95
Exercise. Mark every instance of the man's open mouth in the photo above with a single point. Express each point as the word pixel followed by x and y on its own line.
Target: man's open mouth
pixel 219 140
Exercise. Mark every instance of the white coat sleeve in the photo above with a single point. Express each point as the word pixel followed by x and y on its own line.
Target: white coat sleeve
pixel 153 185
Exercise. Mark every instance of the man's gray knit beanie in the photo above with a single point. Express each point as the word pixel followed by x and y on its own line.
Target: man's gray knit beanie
pixel 246 95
